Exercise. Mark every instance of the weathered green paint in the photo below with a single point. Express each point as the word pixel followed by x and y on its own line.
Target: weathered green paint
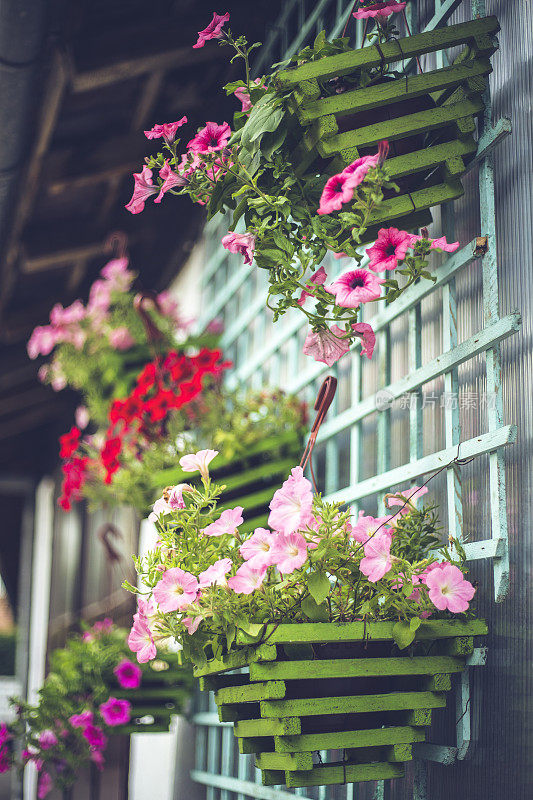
pixel 252 746
pixel 437 683
pixel 355 668
pixel 419 717
pixel 461 646
pixel 427 42
pixel 348 739
pixel 268 727
pixel 326 774
pixel 284 761
pixel 327 632
pixel 318 706
pixel 252 693
pixel 236 660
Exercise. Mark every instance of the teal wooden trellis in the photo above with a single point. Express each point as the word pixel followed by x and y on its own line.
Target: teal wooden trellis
pixel 264 353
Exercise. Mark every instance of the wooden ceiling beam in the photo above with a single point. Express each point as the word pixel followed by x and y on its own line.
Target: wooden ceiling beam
pixel 21 401
pixel 33 419
pixel 17 376
pixel 61 258
pixel 135 67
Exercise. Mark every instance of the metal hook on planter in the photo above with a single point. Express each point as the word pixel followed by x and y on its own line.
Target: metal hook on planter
pixel 324 399
pixel 141 302
pixel 106 531
pixel 117 244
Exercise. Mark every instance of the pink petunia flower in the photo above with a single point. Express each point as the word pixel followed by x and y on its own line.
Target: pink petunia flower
pixel 176 590
pixel 44 785
pixel 258 550
pixel 95 736
pixel 338 190
pixel 442 244
pixel 159 508
pixel 379 9
pixel 115 712
pixel 247 579
pixel 117 274
pixel 198 461
pixel 128 674
pixel 171 502
pixel 413 495
pixel 377 561
pixel 191 623
pixel 167 130
pixel 97 757
pixel 142 189
pixel 360 167
pixel 242 94
pixel 290 552
pixel 71 315
pixel 391 247
pixel 211 138
pixel 326 345
pixel 317 278
pixel 170 180
pixel 367 336
pixel 449 589
pixel 355 287
pixel 242 243
pixel 228 522
pixel 366 526
pixel 47 739
pixel 42 341
pixel 213 30
pixel 215 575
pixel 81 720
pixel 141 641
pixel 291 506
pixel 120 338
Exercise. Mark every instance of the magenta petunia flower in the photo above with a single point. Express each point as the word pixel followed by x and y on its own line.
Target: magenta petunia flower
pixel 213 30
pixel 290 552
pixel 368 338
pixel 176 590
pixel 198 461
pixel 227 523
pixel 291 506
pixel 247 579
pixel 170 180
pixel 115 712
pixel 81 720
pixel 117 274
pixel 359 168
pixel 242 243
pixel 379 9
pixel 448 589
pixel 167 130
pixel 442 244
pixel 42 341
pixel 355 287
pixel 142 189
pixel 44 785
pixel 95 736
pixel 141 641
pixel 211 138
pixel 258 550
pixel 391 247
pixel 215 575
pixel 97 757
pixel 366 526
pixel 128 674
pixel 326 345
pixel 377 560
pixel 338 190
pixel 47 739
pixel 317 278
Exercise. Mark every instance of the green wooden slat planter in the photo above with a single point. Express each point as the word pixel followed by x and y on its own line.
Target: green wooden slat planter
pixel 428 119
pixel 287 706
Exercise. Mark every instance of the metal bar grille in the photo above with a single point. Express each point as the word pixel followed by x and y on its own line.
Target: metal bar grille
pixel 354 456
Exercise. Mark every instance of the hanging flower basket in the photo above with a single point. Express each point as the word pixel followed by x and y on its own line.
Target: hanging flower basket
pixel 249 481
pixel 165 691
pixel 342 688
pixel 428 119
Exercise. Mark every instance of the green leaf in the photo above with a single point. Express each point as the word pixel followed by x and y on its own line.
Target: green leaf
pixel 314 612
pixel 319 586
pixel 415 623
pixel 403 634
pixel 320 40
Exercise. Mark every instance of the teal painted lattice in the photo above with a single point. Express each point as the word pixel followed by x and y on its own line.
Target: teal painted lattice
pixel 370 442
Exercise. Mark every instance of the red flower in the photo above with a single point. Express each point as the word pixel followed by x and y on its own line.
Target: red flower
pixel 69 442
